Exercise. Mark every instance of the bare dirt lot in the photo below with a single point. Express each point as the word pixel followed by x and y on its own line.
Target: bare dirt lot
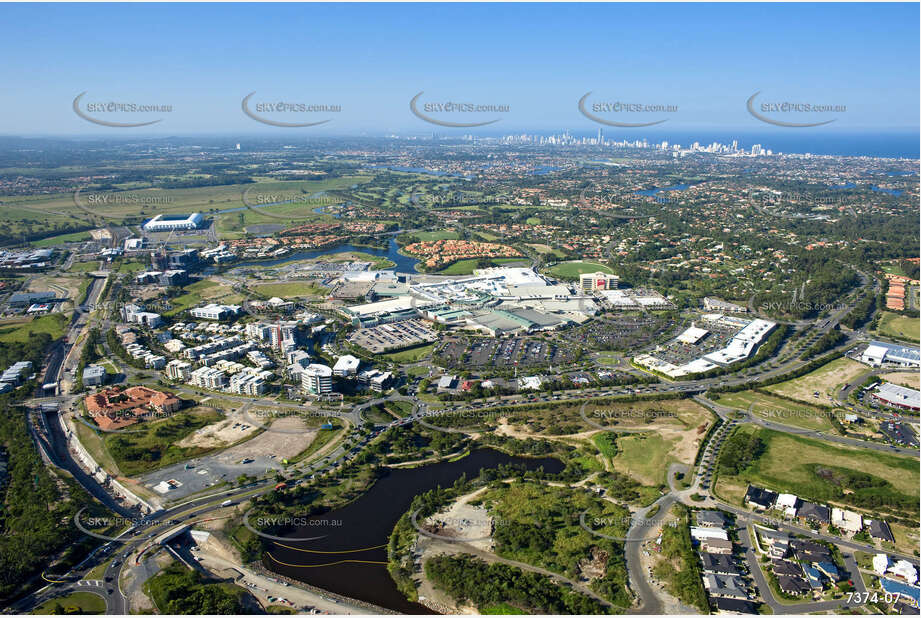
pixel 288 437
pixel 911 379
pixel 219 435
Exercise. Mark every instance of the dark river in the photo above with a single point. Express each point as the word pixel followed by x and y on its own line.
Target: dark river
pixel 366 525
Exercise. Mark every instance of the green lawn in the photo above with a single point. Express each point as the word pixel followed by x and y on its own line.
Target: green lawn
pixel 292 289
pixel 644 456
pixel 76 602
pixel 206 199
pixel 199 292
pixel 572 270
pixel 899 326
pixel 466 267
pixel 52 323
pixel 132 266
pixel 57 240
pixel 98 571
pixel 410 355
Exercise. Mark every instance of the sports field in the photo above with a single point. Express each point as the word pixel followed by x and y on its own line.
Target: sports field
pixel 572 270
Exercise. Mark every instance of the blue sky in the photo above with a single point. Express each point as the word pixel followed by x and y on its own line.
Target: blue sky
pixel 538 59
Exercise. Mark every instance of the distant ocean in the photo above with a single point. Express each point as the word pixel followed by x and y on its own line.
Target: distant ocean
pixel 815 141
pixel 820 140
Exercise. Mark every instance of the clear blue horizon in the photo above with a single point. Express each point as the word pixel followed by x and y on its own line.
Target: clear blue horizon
pixel 704 60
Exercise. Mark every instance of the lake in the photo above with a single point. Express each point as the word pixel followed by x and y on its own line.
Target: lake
pixel 365 528
pixel 652 192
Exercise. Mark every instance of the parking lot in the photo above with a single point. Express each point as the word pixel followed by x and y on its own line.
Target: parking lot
pixel 621 333
pixel 520 351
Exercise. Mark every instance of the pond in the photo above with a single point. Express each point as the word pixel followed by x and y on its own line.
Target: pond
pixel 347 560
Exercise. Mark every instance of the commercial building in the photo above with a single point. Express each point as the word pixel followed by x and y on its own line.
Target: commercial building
pixel 378 381
pixel 168 223
pixel 590 282
pixel 346 366
pixel 94 375
pixel 742 344
pixel 214 311
pixel 24 299
pixel 879 353
pixel 165 278
pixel 134 314
pixel 317 379
pixel 898 396
pixel 692 335
pixel 716 304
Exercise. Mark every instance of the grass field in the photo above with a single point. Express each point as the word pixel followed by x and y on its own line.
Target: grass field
pixel 74 603
pixel 899 326
pixel 466 267
pixel 93 442
pixel 291 289
pixel 197 199
pixel 825 380
pixel 61 238
pixel 779 410
pixel 131 266
pixel 410 355
pixel 19 330
pixel 98 571
pixel 572 270
pixel 788 465
pixel 644 456
pixel 84 267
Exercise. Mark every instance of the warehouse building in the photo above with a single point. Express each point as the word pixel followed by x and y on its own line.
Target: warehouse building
pixel 879 353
